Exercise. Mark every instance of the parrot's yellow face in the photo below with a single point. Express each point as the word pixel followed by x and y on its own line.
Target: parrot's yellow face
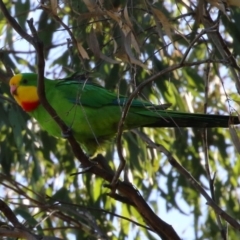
pixel 24 91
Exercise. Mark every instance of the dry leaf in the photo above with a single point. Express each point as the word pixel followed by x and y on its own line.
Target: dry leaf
pixel 126 16
pixel 114 15
pixel 127 47
pixel 95 11
pixel 108 59
pixel 94 46
pixel 125 26
pixel 133 42
pixel 160 17
pixel 93 43
pixel 82 51
pixel 115 46
pixel 220 4
pixel 91 5
pixel 121 54
pixel 235 138
pixel 233 3
pixel 54 6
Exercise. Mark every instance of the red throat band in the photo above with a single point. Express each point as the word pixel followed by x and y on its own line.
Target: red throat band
pixel 30 106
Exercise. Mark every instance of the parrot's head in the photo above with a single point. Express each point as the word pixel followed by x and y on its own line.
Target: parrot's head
pixel 23 87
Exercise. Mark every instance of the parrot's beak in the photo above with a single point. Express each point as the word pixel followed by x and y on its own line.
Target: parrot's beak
pixel 13 89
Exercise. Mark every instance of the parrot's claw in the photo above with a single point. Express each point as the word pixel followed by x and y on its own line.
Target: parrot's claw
pixel 67 133
pixel 84 169
pixel 112 186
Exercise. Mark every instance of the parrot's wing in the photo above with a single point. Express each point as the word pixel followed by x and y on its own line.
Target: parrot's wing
pixel 92 95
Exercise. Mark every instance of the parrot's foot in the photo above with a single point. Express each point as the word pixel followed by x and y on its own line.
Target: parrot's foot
pixel 114 183
pixel 67 133
pixel 84 169
pixel 112 186
pixel 121 198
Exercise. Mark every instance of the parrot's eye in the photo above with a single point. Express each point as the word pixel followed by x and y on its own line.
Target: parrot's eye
pixel 24 80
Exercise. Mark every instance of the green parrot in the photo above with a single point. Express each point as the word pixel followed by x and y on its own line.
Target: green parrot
pixel 93 113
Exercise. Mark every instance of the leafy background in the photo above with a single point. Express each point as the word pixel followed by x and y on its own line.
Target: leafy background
pixel 121 44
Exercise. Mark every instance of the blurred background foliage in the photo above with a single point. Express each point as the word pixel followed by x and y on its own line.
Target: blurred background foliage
pixel 120 44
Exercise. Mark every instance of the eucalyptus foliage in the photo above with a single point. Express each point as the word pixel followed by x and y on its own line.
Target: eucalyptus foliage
pixel 121 44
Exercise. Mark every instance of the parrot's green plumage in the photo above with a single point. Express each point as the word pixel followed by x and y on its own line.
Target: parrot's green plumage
pixel 93 113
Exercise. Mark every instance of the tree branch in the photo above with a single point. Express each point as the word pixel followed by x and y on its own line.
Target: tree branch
pixel 158 225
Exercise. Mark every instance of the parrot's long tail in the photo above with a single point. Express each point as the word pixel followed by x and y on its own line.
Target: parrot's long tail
pixel 178 120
